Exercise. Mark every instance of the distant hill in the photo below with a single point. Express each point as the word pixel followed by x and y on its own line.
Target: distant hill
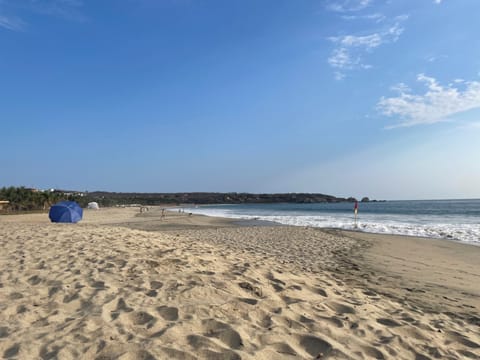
pixel 114 198
pixel 15 199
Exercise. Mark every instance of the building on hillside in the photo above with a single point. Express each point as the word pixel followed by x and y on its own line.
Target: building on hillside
pixel 4 204
pixel 67 192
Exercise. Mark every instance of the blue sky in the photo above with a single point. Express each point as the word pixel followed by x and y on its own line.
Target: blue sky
pixel 345 97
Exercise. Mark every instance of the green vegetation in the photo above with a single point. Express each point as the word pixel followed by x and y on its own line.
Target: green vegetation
pixel 24 199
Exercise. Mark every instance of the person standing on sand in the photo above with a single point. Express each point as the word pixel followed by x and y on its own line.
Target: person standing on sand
pixel 355 210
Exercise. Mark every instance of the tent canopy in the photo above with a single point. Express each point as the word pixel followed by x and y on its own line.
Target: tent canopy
pixel 93 205
pixel 66 212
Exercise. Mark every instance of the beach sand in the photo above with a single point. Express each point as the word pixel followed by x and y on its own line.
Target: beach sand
pixel 124 285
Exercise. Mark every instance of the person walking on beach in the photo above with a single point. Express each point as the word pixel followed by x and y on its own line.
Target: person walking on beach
pixel 355 210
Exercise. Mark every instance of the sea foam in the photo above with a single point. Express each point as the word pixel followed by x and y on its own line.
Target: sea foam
pixel 455 228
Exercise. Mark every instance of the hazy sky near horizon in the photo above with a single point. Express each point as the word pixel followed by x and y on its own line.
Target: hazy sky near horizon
pixel 344 97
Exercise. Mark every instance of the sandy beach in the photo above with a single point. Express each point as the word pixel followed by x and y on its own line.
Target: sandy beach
pixel 125 285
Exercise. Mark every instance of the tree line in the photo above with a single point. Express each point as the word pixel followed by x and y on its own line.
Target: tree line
pixel 24 199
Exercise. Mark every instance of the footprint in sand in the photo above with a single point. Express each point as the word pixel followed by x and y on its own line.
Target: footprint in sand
pixel 295 287
pixel 34 280
pixel 277 284
pixel 387 339
pixel 71 297
pixel 121 307
pixel 168 313
pixel 151 293
pixel 97 284
pixel 3 332
pixel 321 292
pixel 45 353
pixel 224 355
pixel 199 342
pixel 223 332
pixel 15 296
pixel 141 318
pixel 112 352
pixel 467 354
pixel 53 290
pixel 315 346
pixel 290 300
pixel 266 322
pixel 11 351
pixel 207 349
pixel 340 308
pixel 177 354
pixel 284 348
pixel 249 287
pixel 333 320
pixel 248 301
pixel 374 353
pixel 120 263
pixel 305 320
pixel 205 272
pixel 388 322
pixel 155 285
pixel 463 339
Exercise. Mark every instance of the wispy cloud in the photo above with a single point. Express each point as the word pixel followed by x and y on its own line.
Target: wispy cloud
pixel 63 8
pixel 438 103
pixel 350 50
pixel 348 5
pixel 343 60
pixel 377 17
pixel 67 9
pixel 434 58
pixel 437 1
pixel 12 23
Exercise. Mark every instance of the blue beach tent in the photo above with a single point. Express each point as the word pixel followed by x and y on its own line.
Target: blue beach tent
pixel 66 212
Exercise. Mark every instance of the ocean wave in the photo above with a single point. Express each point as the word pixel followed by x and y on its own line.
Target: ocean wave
pixel 431 227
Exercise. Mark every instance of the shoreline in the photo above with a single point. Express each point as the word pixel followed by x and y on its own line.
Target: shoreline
pixel 371 253
pixel 258 222
pixel 228 221
pixel 380 253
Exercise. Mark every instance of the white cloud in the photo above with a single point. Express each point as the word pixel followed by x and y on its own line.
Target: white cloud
pixel 12 23
pixel 343 60
pixel 348 5
pixel 377 17
pixel 438 103
pixel 367 41
pixel 350 49
pixel 437 1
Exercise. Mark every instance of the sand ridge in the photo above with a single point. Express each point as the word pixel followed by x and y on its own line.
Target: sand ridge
pixel 97 291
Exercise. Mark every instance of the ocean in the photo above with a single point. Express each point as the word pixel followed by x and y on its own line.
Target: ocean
pixel 457 220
